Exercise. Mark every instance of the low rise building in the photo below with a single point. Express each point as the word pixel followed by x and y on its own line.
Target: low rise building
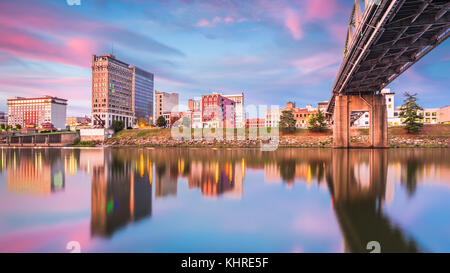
pixel 444 115
pixel 428 116
pixel 273 117
pixel 239 108
pixel 322 106
pixel 195 106
pixel 37 111
pixel 218 111
pixel 301 115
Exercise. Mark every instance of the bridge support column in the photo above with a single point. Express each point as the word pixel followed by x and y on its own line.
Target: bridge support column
pixel 375 105
pixel 378 123
pixel 341 127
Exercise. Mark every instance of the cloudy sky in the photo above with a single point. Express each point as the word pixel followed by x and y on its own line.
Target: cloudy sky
pixel 273 51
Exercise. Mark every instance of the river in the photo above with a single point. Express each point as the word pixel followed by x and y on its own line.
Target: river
pixel 224 200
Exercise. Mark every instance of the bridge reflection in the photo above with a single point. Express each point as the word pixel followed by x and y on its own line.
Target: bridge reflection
pixel 357 183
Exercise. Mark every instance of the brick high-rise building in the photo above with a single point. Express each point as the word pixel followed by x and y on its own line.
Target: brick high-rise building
pixel 111 90
pixel 120 91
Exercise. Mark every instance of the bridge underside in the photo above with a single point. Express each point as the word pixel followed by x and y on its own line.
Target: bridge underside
pixel 390 38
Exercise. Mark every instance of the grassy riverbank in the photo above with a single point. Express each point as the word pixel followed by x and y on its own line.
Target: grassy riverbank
pixel 430 136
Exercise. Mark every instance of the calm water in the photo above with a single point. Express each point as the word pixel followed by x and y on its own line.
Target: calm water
pixel 207 200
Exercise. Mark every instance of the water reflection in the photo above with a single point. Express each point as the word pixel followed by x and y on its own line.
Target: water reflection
pixel 121 193
pixel 357 183
pixel 360 183
pixel 33 171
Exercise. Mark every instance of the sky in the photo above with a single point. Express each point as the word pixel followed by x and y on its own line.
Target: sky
pixel 273 51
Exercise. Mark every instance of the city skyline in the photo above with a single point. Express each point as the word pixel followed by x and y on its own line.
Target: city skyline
pixel 273 52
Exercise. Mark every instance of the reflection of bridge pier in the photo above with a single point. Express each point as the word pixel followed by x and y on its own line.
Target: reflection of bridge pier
pixel 357 182
pixel 374 104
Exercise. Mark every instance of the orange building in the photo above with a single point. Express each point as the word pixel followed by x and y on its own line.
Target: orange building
pixel 302 116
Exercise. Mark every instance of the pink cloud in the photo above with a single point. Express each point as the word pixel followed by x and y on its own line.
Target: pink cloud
pixel 30 31
pixel 229 19
pixel 320 9
pixel 216 20
pixel 203 23
pixel 318 62
pixel 72 51
pixel 292 22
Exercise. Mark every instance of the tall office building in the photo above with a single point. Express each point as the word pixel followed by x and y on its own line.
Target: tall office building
pixel 111 90
pixel 142 94
pixel 120 91
pixel 239 107
pixel 36 111
pixel 165 103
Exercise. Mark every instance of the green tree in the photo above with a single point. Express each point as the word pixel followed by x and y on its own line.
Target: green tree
pixel 3 127
pixel 117 125
pixel 18 127
pixel 161 122
pixel 409 111
pixel 317 122
pixel 287 122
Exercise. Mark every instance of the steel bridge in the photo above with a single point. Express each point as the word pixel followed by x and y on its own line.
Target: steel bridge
pixel 384 39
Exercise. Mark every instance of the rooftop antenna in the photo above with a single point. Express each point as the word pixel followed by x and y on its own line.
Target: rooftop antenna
pixel 112 49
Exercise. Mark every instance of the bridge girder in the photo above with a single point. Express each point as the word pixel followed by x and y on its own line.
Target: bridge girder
pixel 388 38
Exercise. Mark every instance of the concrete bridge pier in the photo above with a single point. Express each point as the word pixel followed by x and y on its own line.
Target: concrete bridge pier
pixel 375 105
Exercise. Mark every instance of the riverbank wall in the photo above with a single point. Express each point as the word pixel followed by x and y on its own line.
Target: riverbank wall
pixel 431 136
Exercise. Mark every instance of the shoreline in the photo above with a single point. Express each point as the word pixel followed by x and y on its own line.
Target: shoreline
pixel 430 136
pixel 285 142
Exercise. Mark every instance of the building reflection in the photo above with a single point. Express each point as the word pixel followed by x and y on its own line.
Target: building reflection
pixel 216 178
pixel 289 166
pixel 212 175
pixel 360 182
pixel 121 192
pixel 357 183
pixel 33 171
